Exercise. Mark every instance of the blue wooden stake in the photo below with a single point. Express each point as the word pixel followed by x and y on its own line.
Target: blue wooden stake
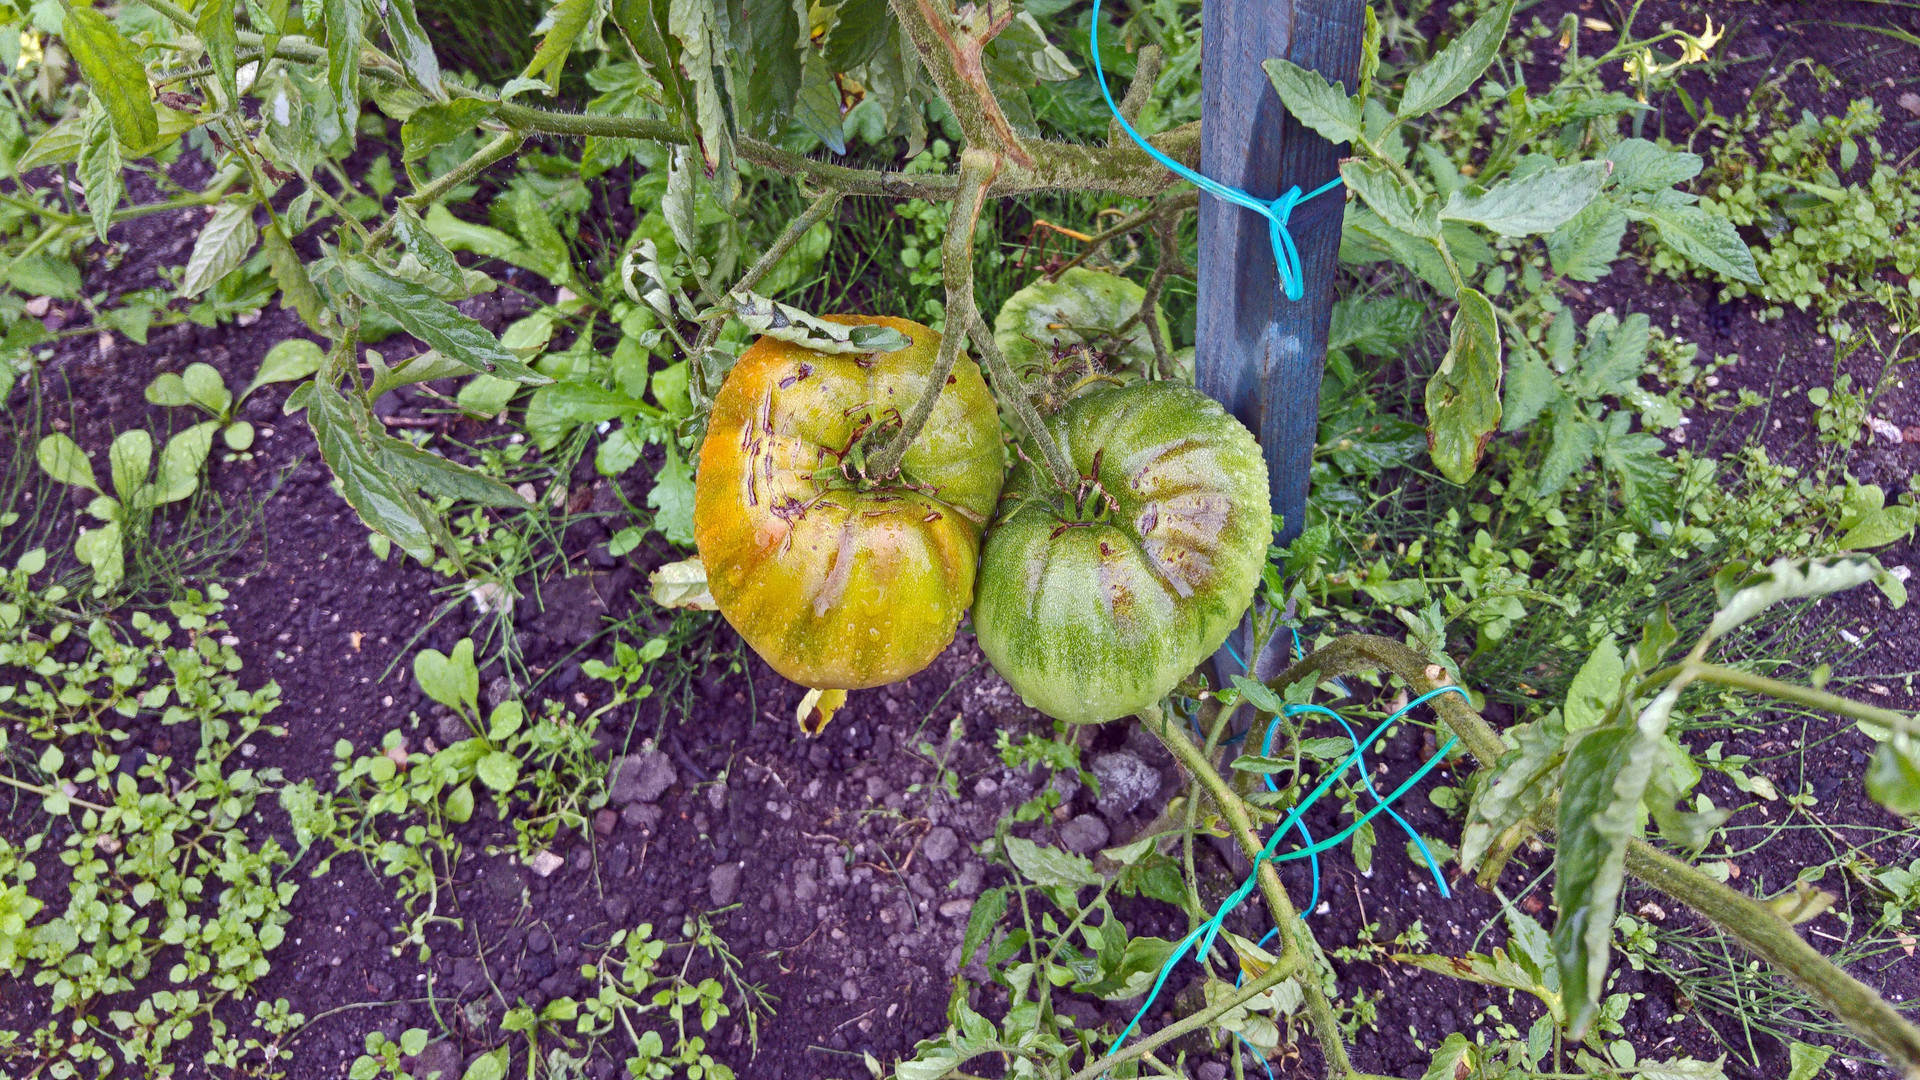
pixel 1257 352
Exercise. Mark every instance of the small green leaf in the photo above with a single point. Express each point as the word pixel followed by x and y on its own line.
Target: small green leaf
pixel 180 462
pixel 113 72
pixel 459 805
pixel 223 244
pixel 1595 687
pixel 507 718
pixel 294 358
pixel 499 770
pixel 63 460
pixel 167 389
pixel 1314 101
pixel 438 476
pixel 1878 528
pixel 1514 789
pixel 51 759
pixel 238 436
pixel 452 680
pixel 1463 397
pixel 129 459
pixel 206 388
pixel 488 1066
pixel 100 169
pixel 564 23
pixel 100 549
pixel 672 498
pixel 1456 67
pixel 1806 1061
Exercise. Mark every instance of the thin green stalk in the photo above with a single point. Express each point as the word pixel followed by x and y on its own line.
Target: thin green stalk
pixel 501 145
pixel 977 170
pixel 1326 1026
pixel 1013 393
pixel 1808 696
pixel 1282 968
pixel 48 793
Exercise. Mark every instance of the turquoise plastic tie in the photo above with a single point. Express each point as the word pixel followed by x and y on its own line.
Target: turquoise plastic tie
pixel 1204 935
pixel 1286 257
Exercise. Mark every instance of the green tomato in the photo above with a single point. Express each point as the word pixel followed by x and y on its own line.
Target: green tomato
pixel 1095 603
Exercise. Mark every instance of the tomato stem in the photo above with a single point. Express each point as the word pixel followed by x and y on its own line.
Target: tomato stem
pixel 977 170
pixel 1013 393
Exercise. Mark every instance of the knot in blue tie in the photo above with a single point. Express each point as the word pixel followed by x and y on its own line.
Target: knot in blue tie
pixel 1286 256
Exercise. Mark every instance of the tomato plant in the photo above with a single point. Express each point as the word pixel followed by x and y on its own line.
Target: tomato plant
pixel 1096 601
pixel 840 581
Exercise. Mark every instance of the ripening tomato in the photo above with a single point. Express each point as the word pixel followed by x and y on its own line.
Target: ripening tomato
pixel 1095 603
pixel 838 582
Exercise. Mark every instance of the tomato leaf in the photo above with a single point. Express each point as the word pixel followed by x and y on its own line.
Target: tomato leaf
pixel 1457 66
pixel 1539 203
pixel 218 30
pixel 1585 247
pixel 113 72
pixel 290 273
pixel 439 123
pixel 1314 101
pixel 986 913
pixel 1517 786
pixel 777 320
pixel 101 180
pixel 1463 397
pixel 437 476
pixel 1050 866
pixel 1893 776
pixel 1605 779
pixel 1699 235
pixel 1412 212
pixel 564 22
pixel 860 27
pixel 342 433
pixel 223 244
pixel 436 322
pixel 345 25
pixel 411 45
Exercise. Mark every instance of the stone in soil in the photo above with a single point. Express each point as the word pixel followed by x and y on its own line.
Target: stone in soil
pixel 940 844
pixel 439 1060
pixel 723 883
pixel 642 777
pixel 1125 783
pixel 1085 834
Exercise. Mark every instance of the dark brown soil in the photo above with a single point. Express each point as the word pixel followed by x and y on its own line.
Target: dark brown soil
pixel 812 850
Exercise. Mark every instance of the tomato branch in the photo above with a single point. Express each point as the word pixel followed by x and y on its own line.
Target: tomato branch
pixel 1755 926
pixel 1265 981
pixel 953 51
pixel 1199 765
pixel 1013 394
pixel 977 170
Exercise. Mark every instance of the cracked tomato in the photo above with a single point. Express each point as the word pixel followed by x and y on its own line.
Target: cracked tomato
pixel 1094 603
pixel 839 582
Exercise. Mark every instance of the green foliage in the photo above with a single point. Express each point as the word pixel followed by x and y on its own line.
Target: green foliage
pixel 160 874
pixel 1831 203
pixel 540 771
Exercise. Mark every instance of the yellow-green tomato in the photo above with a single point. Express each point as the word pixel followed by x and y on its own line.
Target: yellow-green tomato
pixel 1094 603
pixel 839 583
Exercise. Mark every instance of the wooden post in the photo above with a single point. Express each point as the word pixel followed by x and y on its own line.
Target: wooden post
pixel 1257 352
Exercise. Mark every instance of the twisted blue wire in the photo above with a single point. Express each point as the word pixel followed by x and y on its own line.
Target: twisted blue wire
pixel 1209 930
pixel 1286 257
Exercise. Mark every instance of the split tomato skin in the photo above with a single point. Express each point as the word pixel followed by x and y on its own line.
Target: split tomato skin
pixel 1094 612
pixel 838 583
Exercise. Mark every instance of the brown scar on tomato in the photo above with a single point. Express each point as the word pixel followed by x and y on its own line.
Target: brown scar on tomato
pixel 932 515
pixel 803 371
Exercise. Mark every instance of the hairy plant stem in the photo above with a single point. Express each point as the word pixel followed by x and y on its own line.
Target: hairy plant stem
pixel 1756 927
pixel 1326 1026
pixel 500 146
pixel 1013 393
pixel 1266 980
pixel 977 170
pixel 819 210
pixel 953 51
